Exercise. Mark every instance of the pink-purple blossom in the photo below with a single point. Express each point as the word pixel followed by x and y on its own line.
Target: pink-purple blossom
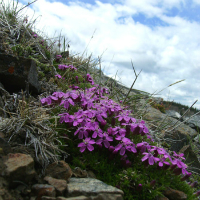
pixel 87 143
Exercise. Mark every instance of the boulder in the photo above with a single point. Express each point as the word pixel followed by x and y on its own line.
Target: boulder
pixel 175 137
pixel 18 74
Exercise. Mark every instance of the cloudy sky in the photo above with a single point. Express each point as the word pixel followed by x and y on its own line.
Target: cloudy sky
pixel 161 37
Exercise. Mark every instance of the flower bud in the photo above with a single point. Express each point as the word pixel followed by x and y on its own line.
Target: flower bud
pixel 139 187
pixel 194 184
pixel 186 177
pixel 77 79
pixel 113 121
pixel 153 183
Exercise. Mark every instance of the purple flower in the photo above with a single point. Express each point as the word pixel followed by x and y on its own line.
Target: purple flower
pixel 157 150
pixel 63 67
pixel 178 163
pixel 47 101
pixel 77 119
pixel 58 75
pixel 105 138
pixel 82 131
pixel 111 131
pixel 97 130
pixel 151 159
pixel 125 144
pixel 74 87
pixel 66 103
pixel 35 35
pixel 123 118
pixel 143 146
pixel 65 117
pixel 100 114
pixel 162 161
pixel 89 79
pixel 139 128
pixel 178 155
pixel 121 135
pixel 58 57
pixel 87 142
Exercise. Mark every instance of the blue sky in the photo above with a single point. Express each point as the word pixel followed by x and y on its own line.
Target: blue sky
pixel 161 37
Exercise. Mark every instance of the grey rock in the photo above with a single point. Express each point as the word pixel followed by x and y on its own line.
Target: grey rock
pixel 18 73
pixel 107 197
pixel 194 122
pixel 173 113
pixel 90 186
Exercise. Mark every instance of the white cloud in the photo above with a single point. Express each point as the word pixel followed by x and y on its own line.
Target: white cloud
pixel 196 1
pixel 164 53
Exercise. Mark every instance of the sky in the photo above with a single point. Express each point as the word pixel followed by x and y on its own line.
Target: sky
pixel 160 37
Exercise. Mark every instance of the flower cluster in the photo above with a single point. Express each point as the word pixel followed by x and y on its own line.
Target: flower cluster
pixel 92 127
pixel 64 67
pixel 102 123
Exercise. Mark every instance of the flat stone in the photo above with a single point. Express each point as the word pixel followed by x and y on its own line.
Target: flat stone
pixel 90 186
pixel 105 196
pixel 74 198
pixel 60 185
